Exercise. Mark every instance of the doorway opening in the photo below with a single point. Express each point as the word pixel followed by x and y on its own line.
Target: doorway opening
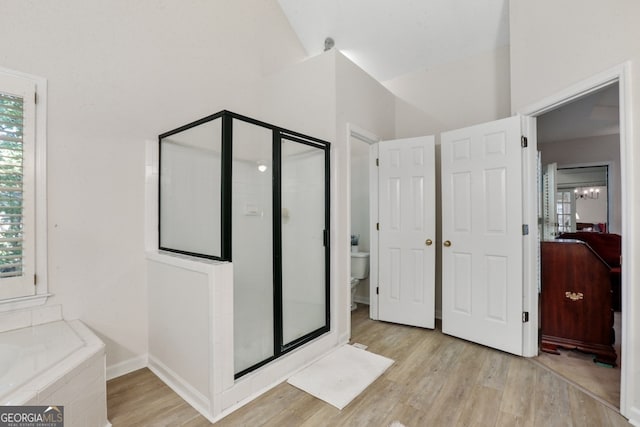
pixel 362 188
pixel 581 199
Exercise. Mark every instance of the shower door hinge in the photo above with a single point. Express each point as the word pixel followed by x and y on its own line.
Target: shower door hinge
pixel 525 229
pixel 377 290
pixel 524 142
pixel 377 226
pixel 377 162
pixel 525 316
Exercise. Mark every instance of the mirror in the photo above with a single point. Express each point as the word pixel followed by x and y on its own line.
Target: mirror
pixel 582 199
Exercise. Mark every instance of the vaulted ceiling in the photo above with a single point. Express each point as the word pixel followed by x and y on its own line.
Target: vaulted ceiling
pixel 389 38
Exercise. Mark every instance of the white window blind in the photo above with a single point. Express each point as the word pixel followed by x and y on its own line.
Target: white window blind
pixel 11 185
pixel 17 187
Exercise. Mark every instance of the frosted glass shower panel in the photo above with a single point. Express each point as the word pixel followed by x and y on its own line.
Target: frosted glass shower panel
pixel 303 251
pixel 252 244
pixel 190 188
pixel 239 190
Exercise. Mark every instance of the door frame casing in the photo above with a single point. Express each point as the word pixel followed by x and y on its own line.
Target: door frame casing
pixel 374 236
pixel 620 74
pixel 530 245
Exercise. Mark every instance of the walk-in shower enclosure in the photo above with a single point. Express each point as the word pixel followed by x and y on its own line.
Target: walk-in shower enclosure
pixel 236 189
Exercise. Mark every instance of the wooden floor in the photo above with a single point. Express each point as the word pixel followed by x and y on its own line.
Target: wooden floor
pixel 436 381
pixel 603 381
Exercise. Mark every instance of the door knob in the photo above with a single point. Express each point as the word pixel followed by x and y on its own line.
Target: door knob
pixel 428 242
pixel 447 243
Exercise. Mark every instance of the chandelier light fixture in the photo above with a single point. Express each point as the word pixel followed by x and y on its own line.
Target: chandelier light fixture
pixel 586 193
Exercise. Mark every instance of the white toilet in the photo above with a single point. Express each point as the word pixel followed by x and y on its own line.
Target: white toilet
pixel 359 271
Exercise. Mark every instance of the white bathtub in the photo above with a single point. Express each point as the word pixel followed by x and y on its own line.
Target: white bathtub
pixel 56 363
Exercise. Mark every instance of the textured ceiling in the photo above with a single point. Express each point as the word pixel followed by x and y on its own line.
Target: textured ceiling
pixel 594 115
pixel 389 38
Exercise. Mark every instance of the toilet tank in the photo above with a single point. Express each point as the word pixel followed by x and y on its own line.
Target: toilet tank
pixel 359 265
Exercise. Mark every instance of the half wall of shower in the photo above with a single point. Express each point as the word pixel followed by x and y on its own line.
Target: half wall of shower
pixel 236 189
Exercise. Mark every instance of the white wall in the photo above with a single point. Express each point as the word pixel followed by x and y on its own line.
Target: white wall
pixel 411 121
pixel 582 151
pixel 120 73
pixel 362 100
pixel 556 44
pixel 458 94
pixel 300 97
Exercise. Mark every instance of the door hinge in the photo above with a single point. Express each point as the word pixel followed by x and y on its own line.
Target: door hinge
pixel 524 143
pixel 377 162
pixel 377 290
pixel 525 316
pixel 377 226
pixel 35 280
pixel 35 97
pixel 525 229
pixel 325 238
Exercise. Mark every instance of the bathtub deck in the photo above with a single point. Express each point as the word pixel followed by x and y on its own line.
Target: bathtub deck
pixel 437 380
pixel 34 351
pixel 65 366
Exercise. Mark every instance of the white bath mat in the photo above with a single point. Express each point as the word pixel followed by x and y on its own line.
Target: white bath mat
pixel 341 375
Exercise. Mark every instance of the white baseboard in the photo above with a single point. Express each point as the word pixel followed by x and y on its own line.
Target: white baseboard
pixel 344 339
pixel 634 416
pixel 361 300
pixel 182 388
pixel 126 366
pixel 365 300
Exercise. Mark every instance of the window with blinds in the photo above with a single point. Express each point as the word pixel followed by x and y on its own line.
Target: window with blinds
pixel 17 187
pixel 11 185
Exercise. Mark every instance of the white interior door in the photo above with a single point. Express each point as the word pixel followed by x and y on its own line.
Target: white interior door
pixel 406 210
pixel 482 277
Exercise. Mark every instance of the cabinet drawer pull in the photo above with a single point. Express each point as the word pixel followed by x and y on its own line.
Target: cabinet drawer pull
pixel 574 296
